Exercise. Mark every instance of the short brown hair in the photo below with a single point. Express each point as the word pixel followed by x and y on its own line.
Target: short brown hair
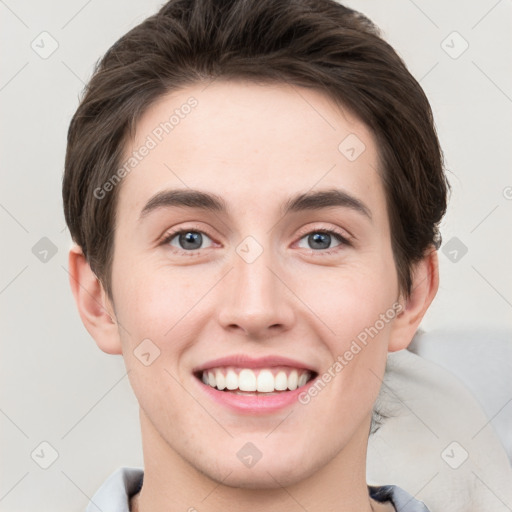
pixel 318 44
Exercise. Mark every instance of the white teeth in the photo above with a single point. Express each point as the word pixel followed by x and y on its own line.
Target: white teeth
pixel 265 381
pixel 281 381
pixel 247 380
pixel 231 380
pixel 293 379
pixel 302 380
pixel 221 380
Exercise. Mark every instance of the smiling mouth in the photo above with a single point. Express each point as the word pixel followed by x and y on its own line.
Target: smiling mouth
pixel 251 381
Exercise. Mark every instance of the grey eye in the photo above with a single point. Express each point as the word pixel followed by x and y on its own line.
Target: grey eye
pixel 188 240
pixel 318 240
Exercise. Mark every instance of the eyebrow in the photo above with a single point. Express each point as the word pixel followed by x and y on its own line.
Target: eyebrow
pixel 325 199
pixel 187 198
pixel 190 198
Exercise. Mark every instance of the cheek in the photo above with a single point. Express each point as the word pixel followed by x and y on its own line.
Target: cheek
pixel 152 299
pixel 356 309
pixel 166 306
pixel 153 306
pixel 347 300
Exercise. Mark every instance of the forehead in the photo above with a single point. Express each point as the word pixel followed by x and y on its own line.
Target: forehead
pixel 249 142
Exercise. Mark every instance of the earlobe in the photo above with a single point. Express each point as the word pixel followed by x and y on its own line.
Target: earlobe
pixel 425 282
pixel 95 309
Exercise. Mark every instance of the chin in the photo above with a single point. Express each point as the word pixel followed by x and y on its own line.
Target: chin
pixel 270 474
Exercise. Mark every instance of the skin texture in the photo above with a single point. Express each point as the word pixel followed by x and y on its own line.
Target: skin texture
pixel 255 146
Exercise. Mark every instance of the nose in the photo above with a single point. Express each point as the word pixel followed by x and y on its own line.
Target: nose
pixel 256 300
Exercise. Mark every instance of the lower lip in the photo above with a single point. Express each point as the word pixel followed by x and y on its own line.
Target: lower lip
pixel 255 404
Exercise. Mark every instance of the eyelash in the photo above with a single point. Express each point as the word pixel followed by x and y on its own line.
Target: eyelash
pixel 317 252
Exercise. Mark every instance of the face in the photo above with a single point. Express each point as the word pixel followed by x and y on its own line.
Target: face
pixel 286 278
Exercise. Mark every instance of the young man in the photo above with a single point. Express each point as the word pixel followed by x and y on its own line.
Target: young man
pixel 251 185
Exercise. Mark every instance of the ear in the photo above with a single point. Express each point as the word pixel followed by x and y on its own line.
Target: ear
pixel 425 282
pixel 96 311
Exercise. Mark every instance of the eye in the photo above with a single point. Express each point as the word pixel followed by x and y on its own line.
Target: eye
pixel 320 240
pixel 187 239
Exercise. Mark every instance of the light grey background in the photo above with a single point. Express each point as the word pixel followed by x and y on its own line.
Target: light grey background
pixel 56 386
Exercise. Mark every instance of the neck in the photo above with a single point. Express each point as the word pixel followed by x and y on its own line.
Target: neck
pixel 172 484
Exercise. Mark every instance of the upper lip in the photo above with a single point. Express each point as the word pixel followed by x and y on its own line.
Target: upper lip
pixel 246 361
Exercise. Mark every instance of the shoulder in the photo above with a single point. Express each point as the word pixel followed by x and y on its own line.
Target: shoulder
pixel 400 499
pixel 114 494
